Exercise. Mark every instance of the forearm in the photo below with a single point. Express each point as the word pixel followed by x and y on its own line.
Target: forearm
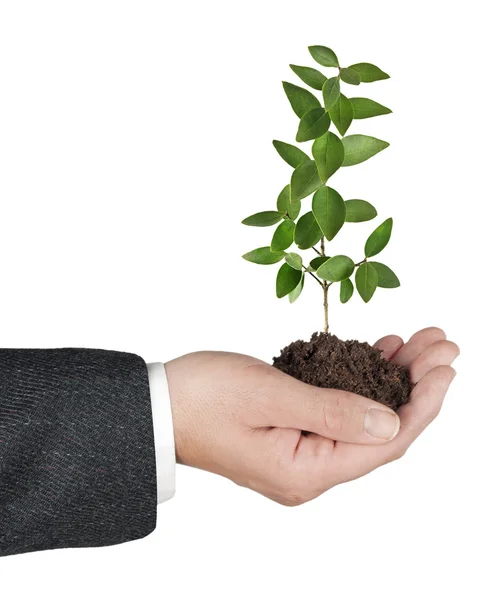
pixel 76 451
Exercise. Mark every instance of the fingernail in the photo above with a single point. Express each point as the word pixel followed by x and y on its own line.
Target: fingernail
pixel 381 424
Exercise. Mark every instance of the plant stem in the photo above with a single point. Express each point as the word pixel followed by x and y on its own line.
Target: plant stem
pixel 314 276
pixel 326 307
pixel 326 291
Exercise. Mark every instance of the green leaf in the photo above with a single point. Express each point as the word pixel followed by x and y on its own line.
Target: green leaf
pixel 301 100
pixel 331 92
pixel 312 125
pixel 317 261
pixel 315 79
pixel 283 201
pixel 350 75
pixel 364 108
pixel 347 290
pixel 293 296
pixel 369 72
pixel 336 268
pixel 379 238
pixel 263 219
pixel 307 231
pixel 342 114
pixel 358 211
pixel 329 210
pixel 287 280
pixel 328 153
pixel 305 180
pixel 285 206
pixel 294 209
pixel 324 56
pixel 366 281
pixel 386 277
pixel 290 154
pixel 283 236
pixel 263 256
pixel 358 148
pixel 294 260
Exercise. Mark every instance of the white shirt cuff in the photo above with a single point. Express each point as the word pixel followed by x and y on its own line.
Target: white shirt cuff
pixel 163 431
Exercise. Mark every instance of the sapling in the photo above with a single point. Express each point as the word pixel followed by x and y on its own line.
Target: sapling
pixel 312 228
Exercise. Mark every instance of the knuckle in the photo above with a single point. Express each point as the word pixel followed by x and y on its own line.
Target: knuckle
pixel 293 497
pixel 333 415
pixel 432 413
pixel 398 454
pixel 292 493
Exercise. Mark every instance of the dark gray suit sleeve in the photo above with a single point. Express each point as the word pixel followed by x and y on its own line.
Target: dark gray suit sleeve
pixel 77 458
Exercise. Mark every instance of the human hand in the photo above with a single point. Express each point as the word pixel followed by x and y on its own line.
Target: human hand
pixel 239 417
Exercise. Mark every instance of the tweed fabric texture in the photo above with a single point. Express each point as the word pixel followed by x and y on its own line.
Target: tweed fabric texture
pixel 77 457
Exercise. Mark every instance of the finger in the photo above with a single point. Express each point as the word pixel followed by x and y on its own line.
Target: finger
pixel 417 344
pixel 333 414
pixel 442 352
pixel 426 400
pixel 389 345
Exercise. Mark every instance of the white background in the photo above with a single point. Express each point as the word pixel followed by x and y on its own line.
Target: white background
pixel 134 137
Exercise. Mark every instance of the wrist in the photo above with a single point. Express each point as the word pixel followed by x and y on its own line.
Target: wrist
pixel 178 393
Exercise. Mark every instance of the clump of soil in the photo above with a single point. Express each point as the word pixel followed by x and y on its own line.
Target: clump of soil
pixel 328 362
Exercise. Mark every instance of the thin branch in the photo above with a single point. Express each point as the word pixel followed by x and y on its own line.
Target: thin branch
pixel 325 287
pixel 326 307
pixel 314 276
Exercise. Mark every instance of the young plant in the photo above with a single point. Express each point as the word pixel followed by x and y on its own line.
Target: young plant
pixel 311 174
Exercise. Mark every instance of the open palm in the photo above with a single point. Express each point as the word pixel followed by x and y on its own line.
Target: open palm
pixel 241 418
pixel 428 355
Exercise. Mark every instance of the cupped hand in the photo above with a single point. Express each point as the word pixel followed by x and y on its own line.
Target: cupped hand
pixel 241 418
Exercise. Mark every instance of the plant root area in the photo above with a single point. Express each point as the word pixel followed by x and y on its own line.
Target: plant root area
pixel 328 362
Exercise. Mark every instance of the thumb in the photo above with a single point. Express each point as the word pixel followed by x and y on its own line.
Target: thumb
pixel 333 414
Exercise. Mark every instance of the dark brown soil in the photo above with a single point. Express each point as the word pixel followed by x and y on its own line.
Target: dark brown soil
pixel 328 362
